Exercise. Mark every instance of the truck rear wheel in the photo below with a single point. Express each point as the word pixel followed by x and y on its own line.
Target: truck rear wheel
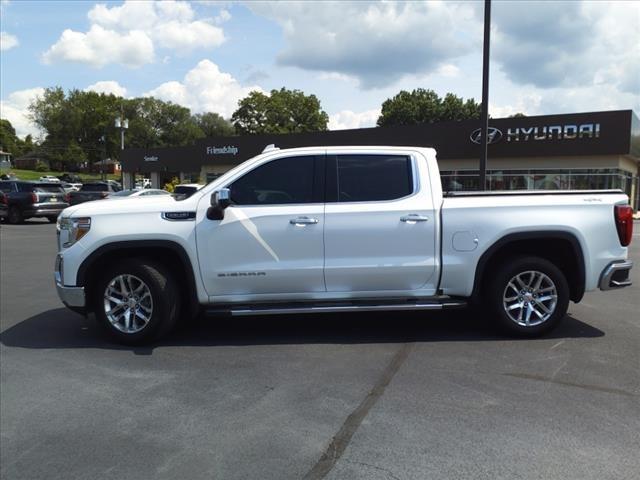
pixel 136 301
pixel 528 296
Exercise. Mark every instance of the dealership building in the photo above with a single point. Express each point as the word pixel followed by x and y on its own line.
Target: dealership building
pixel 596 150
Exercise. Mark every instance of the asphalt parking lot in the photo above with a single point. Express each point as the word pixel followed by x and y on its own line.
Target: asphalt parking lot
pixel 359 396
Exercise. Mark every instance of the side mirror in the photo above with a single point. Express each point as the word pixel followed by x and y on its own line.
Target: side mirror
pixel 219 201
pixel 221 198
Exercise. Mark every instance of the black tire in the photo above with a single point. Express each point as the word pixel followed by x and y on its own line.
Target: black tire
pixel 527 302
pixel 52 219
pixel 15 215
pixel 165 301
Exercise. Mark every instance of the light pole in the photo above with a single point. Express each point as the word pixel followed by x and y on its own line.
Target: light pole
pixel 484 116
pixel 121 123
pixel 103 141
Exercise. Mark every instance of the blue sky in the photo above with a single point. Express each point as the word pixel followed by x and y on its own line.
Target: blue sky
pixel 547 57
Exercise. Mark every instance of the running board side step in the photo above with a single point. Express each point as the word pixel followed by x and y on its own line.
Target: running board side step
pixel 283 309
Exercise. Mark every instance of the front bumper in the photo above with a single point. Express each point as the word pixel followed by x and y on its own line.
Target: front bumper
pixel 73 297
pixel 616 275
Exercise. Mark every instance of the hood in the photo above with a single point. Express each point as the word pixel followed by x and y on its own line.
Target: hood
pixel 130 205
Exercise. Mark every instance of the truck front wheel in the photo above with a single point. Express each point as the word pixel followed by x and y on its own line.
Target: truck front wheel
pixel 136 301
pixel 528 296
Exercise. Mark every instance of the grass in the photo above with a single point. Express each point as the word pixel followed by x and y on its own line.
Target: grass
pixel 33 175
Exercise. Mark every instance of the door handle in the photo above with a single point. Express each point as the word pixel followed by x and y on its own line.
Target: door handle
pixel 413 218
pixel 302 221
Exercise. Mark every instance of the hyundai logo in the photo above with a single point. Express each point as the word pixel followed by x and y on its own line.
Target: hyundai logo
pixel 494 135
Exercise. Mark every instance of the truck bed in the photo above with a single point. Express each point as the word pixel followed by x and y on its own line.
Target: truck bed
pixel 514 193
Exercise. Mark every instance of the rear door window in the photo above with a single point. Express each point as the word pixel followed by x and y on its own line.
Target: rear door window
pixel 368 178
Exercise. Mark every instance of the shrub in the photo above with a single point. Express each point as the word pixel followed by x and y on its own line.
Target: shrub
pixel 41 167
pixel 170 187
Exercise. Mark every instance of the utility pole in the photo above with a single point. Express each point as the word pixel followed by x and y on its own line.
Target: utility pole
pixel 484 116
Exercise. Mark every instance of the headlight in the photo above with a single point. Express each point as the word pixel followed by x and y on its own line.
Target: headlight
pixel 75 229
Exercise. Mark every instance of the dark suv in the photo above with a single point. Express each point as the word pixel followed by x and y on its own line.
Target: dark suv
pixel 93 191
pixel 32 199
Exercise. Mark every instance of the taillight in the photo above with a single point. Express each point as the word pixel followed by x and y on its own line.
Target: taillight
pixel 624 223
pixel 67 197
pixel 34 197
pixel 3 199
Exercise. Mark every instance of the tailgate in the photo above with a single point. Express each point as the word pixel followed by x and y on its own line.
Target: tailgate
pixel 49 193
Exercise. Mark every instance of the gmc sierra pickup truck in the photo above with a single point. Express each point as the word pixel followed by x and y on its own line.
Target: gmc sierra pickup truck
pixel 338 229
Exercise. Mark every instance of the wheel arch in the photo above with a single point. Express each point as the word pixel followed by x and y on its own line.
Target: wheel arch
pixel 561 248
pixel 166 252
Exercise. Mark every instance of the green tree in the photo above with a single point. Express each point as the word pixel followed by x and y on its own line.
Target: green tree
pixel 10 142
pixel 155 123
pixel 425 106
pixel 79 119
pixel 517 115
pixel 213 125
pixel 282 111
pixel 80 127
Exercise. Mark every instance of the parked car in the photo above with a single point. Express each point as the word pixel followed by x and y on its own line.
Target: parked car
pixel 144 183
pixel 92 191
pixel 185 190
pixel 374 233
pixel 70 178
pixel 70 187
pixel 49 178
pixel 115 184
pixel 32 199
pixel 138 192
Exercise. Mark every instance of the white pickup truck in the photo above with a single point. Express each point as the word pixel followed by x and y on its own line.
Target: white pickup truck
pixel 333 229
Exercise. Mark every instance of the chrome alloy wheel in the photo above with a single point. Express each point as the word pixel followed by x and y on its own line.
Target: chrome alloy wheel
pixel 127 303
pixel 530 298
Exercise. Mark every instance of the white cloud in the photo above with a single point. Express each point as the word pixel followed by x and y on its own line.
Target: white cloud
pixel 8 41
pixel 448 70
pixel 184 37
pixel 99 47
pixel 107 87
pixel 377 42
pixel 15 109
pixel 204 89
pixel 223 16
pixel 568 44
pixel 341 77
pixel 527 103
pixel 130 34
pixel 347 119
